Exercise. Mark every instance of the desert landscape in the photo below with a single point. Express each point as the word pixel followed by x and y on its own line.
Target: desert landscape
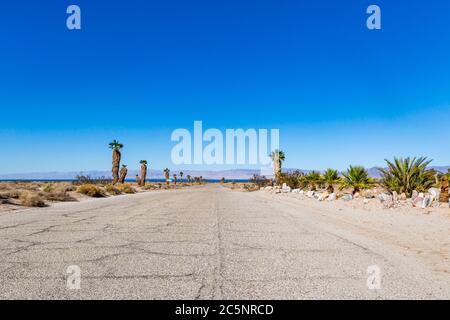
pixel 297 235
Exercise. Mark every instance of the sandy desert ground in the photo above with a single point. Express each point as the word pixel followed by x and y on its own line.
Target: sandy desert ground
pixel 211 242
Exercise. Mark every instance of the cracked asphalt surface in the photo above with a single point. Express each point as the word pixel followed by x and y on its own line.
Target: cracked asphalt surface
pixel 205 242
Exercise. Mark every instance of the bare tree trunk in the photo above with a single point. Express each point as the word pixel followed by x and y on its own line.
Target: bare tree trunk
pixel 143 174
pixel 444 196
pixel 115 165
pixel 123 174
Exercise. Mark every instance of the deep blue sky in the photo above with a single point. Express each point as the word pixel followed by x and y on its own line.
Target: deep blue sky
pixel 339 93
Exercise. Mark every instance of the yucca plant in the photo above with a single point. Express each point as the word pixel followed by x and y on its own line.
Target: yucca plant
pixel 313 179
pixel 356 177
pixel 331 177
pixel 116 155
pixel 404 175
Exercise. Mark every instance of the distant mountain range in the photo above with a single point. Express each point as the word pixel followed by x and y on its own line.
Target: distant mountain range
pixel 237 174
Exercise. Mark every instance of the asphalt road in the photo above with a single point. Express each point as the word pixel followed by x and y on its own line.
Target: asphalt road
pixel 204 242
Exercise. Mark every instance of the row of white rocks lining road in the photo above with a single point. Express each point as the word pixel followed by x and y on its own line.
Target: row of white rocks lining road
pixel 418 200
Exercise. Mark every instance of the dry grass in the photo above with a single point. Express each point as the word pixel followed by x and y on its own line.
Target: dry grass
pixel 126 188
pixel 29 199
pixel 91 190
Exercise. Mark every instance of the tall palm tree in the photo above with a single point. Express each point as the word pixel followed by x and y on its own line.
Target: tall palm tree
pixel 143 171
pixel 357 178
pixel 116 146
pixel 181 176
pixel 167 174
pixel 123 173
pixel 200 179
pixel 331 177
pixel 174 178
pixel 277 157
pixel 189 178
pixel 407 175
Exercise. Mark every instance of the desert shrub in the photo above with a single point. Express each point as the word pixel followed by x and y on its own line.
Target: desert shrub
pixel 407 175
pixel 29 199
pixel 57 196
pixel 291 179
pixel 12 194
pixel 91 190
pixel 48 187
pixel 111 189
pixel 126 188
pixel 251 187
pixel 260 181
pixel 358 178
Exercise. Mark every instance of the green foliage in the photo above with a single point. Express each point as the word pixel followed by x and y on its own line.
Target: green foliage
pixel 357 178
pixel 313 179
pixel 277 155
pixel 115 145
pixel 331 177
pixel 404 175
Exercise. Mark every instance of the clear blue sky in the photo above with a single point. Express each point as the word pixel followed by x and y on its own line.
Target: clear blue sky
pixel 339 93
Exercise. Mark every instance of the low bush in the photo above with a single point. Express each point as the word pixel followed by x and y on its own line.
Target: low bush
pixel 31 200
pixel 91 190
pixel 126 188
pixel 57 196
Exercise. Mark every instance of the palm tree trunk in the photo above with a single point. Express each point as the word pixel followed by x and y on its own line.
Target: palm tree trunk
pixel 123 175
pixel 444 196
pixel 115 165
pixel 143 174
pixel 277 170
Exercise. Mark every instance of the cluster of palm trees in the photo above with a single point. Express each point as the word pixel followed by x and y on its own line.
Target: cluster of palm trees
pixel 402 175
pixel 120 176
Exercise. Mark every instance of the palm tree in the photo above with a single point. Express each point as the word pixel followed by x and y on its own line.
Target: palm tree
pixel 116 155
pixel 357 178
pixel 200 179
pixel 189 178
pixel 331 177
pixel 143 171
pixel 181 176
pixel 313 179
pixel 407 175
pixel 167 174
pixel 277 157
pixel 174 178
pixel 123 173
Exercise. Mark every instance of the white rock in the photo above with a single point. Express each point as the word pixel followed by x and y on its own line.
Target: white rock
pixel 332 197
